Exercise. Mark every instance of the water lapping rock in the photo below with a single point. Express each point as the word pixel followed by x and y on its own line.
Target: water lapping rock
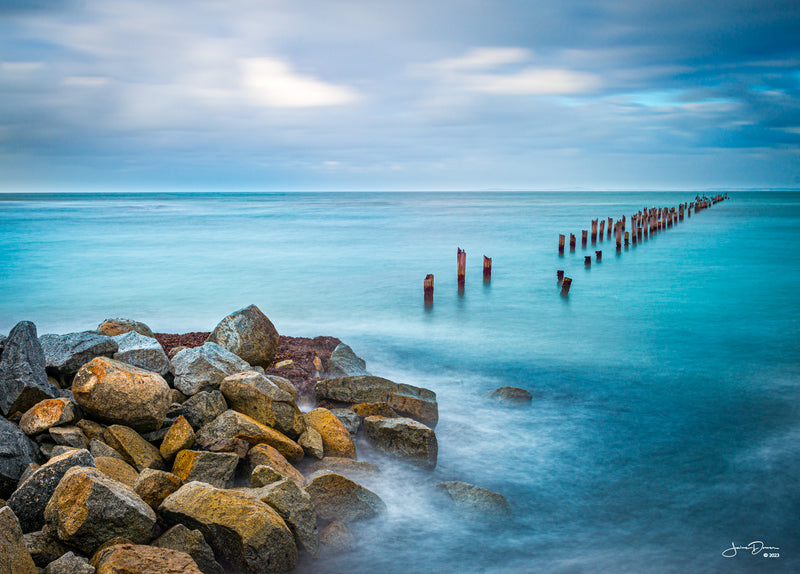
pixel 404 438
pixel 345 363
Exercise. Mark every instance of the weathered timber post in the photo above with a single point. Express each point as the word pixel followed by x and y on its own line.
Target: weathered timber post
pixel 561 240
pixel 626 240
pixel 602 228
pixel 428 287
pixel 587 261
pixel 610 221
pixel 584 234
pixel 572 242
pixel 618 229
pixel 487 269
pixel 598 256
pixel 560 276
pixel 594 231
pixel 462 269
pixel 565 285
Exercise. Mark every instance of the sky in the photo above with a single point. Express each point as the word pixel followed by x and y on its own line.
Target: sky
pixel 282 95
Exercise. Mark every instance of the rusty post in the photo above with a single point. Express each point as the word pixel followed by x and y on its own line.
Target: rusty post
pixel 487 269
pixel 627 238
pixel 560 276
pixel 462 269
pixel 594 231
pixel 610 222
pixel 565 285
pixel 561 240
pixel 587 261
pixel 602 228
pixel 618 231
pixel 584 234
pixel 428 286
pixel 572 242
pixel 598 256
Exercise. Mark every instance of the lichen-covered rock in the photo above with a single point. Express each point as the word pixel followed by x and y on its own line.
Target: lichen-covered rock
pixel 263 475
pixel 374 409
pixel 69 563
pixel 403 438
pixel 65 354
pixel 48 413
pixel 17 451
pixel 153 486
pixel 265 455
pixel 345 363
pixel 407 400
pixel 117 469
pixel 114 327
pixel 92 429
pixel 88 508
pixel 249 334
pixel 14 555
pixel 336 440
pixel 345 466
pixel 214 468
pixel 235 445
pixel 179 436
pixel 201 408
pixel 117 393
pixel 99 448
pixel 350 420
pixel 311 441
pixel 231 424
pixel 203 368
pixel 31 497
pixel 282 383
pixel 246 534
pixel 140 559
pixel 192 542
pixel 475 499
pixel 133 448
pixel 23 379
pixel 254 395
pixel 143 352
pixel 511 396
pixel 336 537
pixel 336 497
pixel 69 436
pixel 43 548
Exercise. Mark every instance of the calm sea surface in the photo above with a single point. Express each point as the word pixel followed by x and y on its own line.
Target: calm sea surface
pixel 665 424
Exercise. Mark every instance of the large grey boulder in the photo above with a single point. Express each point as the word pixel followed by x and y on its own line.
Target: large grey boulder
pixel 114 327
pixel 69 563
pixel 141 351
pixel 17 451
pixel 249 334
pixel 403 438
pixel 203 368
pixel 23 379
pixel 475 499
pixel 14 555
pixel 345 363
pixel 253 394
pixel 336 497
pixel 43 548
pixel 65 354
pixel 192 542
pixel 201 409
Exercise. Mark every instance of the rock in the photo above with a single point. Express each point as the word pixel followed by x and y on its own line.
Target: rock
pixel 475 499
pixel 286 364
pixel 192 542
pixel 202 408
pixel 117 393
pixel 265 455
pixel 140 559
pixel 92 429
pixel 2 343
pixel 60 449
pixel 336 439
pixel 249 334
pixel 203 368
pixel 254 395
pixel 246 534
pixel 69 436
pixel 69 563
pixel 403 438
pixel 263 475
pixel 374 409
pixel 283 384
pixel 143 352
pixel 179 436
pixel 17 451
pixel 133 448
pixel 234 445
pixel 117 469
pixel 511 396
pixel 336 497
pixel 214 468
pixel 345 363
pixel 231 424
pixel 23 379
pixel 14 555
pixel 31 497
pixel 43 548
pixel 115 327
pixel 311 441
pixel 293 505
pixel 336 537
pixel 409 401
pixel 350 420
pixel 345 466
pixel 48 413
pixel 99 448
pixel 175 396
pixel 175 350
pixel 88 508
pixel 65 354
pixel 26 474
pixel 153 486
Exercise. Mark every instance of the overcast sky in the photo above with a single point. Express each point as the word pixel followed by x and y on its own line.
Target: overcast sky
pixel 371 94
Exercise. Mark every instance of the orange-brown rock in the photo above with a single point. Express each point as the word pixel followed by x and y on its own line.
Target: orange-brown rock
pixel 336 497
pixel 153 486
pixel 179 436
pixel 14 555
pixel 117 469
pixel 140 559
pixel 374 409
pixel 46 414
pixel 265 455
pixel 336 440
pixel 255 395
pixel 214 468
pixel 336 537
pixel 114 327
pixel 133 448
pixel 231 424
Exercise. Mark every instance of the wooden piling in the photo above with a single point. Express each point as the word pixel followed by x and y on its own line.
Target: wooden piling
pixel 561 239
pixel 572 242
pixel 587 261
pixel 594 231
pixel 428 288
pixel 602 228
pixel 584 234
pixel 598 256
pixel 618 232
pixel 627 238
pixel 462 268
pixel 565 285
pixel 560 276
pixel 487 269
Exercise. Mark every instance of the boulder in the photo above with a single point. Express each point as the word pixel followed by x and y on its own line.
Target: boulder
pixel 345 466
pixel 192 542
pixel 143 352
pixel 92 429
pixel 117 469
pixel 114 327
pixel 345 363
pixel 283 383
pixel 65 354
pixel 17 451
pixel 249 334
pixel 56 450
pixel 246 534
pixel 130 558
pixel 265 455
pixel 69 563
pixel 311 441
pixel 153 486
pixel 409 401
pixel 475 499
pixel 511 396
pixel 179 436
pixel 374 409
pixel 403 438
pixel 99 448
pixel 69 436
pixel 336 440
pixel 336 497
pixel 214 468
pixel 235 445
pixel 263 475
pixel 202 408
pixel 254 395
pixel 31 497
pixel 294 505
pixel 88 508
pixel 43 548
pixel 48 413
pixel 231 424
pixel 133 448
pixel 203 368
pixel 116 393
pixel 175 396
pixel 350 420
pixel 14 555
pixel 336 537
pixel 23 379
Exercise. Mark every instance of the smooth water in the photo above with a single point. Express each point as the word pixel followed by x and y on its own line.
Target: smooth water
pixel 665 422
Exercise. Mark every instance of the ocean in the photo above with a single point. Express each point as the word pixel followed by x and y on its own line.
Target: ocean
pixel 665 422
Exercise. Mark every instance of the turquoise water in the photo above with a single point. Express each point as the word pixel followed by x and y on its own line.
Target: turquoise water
pixel 665 423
